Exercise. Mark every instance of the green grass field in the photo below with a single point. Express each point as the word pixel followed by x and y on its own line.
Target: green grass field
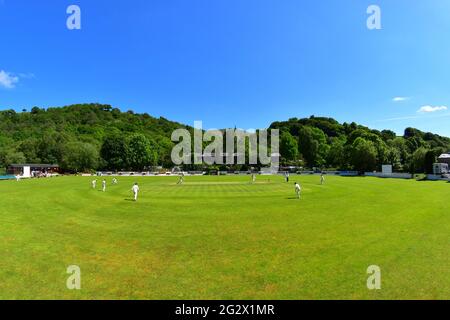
pixel 225 238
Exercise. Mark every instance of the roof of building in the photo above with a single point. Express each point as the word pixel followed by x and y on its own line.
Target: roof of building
pixel 34 165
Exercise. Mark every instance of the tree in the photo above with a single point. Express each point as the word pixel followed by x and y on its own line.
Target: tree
pixel 399 144
pixel 382 152
pixel 114 152
pixel 165 146
pixel 430 160
pixel 323 147
pixel 418 160
pixel 288 147
pixel 35 110
pixel 141 153
pixel 414 143
pixel 51 147
pixel 307 146
pixel 393 158
pixel 80 157
pixel 363 155
pixel 312 144
pixel 388 135
pixel 29 147
pixel 13 156
pixel 336 154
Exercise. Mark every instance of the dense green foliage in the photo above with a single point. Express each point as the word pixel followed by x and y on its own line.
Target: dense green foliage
pixel 85 137
pixel 94 136
pixel 324 142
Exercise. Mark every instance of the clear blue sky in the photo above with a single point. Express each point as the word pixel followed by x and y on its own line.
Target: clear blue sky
pixel 241 63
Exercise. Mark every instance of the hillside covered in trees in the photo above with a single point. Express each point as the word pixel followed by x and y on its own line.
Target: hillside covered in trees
pixel 324 142
pixel 94 136
pixel 85 137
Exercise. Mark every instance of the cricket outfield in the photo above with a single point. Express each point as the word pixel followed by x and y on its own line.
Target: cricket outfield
pixel 225 238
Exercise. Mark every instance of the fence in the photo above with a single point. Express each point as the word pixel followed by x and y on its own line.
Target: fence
pixel 340 173
pixel 389 175
pixel 435 177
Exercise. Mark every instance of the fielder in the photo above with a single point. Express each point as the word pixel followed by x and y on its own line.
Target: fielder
pixel 104 185
pixel 181 178
pixel 135 190
pixel 322 179
pixel 298 189
pixel 94 184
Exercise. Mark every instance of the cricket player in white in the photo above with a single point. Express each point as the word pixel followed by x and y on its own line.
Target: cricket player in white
pixel 114 181
pixel 135 190
pixel 298 189
pixel 104 185
pixel 322 179
pixel 94 184
pixel 253 178
pixel 181 178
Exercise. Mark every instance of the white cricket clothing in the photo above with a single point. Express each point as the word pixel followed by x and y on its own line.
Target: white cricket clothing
pixel 135 190
pixel 298 190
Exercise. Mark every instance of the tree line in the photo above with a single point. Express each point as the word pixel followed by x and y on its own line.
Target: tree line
pixel 85 137
pixel 324 142
pixel 88 137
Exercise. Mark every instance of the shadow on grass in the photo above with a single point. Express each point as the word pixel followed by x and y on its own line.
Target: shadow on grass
pixel 293 198
pixel 129 200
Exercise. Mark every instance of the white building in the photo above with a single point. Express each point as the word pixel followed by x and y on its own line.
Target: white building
pixel 32 170
pixel 440 168
pixel 444 158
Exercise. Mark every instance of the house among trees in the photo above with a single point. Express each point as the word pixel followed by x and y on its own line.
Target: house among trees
pixel 444 158
pixel 443 164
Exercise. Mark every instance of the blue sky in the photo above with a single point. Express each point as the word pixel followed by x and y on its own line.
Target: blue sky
pixel 241 63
